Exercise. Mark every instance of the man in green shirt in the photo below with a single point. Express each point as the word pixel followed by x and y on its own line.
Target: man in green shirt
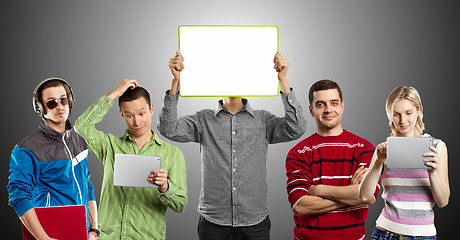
pixel 130 212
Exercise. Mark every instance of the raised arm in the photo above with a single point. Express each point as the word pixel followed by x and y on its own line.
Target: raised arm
pixel 176 65
pixel 282 66
pixel 98 142
pixel 183 129
pixel 293 124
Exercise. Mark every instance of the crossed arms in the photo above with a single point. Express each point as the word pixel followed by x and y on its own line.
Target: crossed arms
pixel 325 198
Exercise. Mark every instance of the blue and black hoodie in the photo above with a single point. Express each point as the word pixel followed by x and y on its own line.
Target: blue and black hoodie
pixel 49 168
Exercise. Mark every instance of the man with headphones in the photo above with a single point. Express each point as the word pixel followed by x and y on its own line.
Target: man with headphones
pixel 50 166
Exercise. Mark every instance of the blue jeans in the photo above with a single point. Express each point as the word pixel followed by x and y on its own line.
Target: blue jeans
pixel 210 231
pixel 380 234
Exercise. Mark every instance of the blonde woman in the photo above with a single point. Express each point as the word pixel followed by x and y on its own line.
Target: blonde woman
pixel 409 194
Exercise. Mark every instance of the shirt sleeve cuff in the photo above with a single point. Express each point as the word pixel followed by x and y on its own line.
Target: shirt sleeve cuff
pixel 171 100
pixel 168 194
pixel 296 202
pixel 104 100
pixel 281 92
pixel 376 192
pixel 289 99
pixel 295 195
pixel 23 206
pixel 91 196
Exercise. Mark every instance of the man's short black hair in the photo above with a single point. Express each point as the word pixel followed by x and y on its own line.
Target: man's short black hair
pixel 132 94
pixel 324 84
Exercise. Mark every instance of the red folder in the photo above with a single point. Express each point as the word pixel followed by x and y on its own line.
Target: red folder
pixel 62 223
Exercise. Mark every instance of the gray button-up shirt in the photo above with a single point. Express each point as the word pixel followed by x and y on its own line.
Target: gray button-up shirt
pixel 233 154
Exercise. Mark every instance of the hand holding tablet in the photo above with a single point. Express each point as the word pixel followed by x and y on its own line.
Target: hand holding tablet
pixel 159 177
pixel 134 170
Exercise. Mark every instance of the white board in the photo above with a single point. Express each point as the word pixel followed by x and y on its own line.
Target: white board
pixel 226 60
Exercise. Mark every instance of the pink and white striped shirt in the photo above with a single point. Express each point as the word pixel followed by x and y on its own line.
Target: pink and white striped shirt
pixel 408 199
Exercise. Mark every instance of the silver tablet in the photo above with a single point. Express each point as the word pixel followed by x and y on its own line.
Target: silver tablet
pixel 133 170
pixel 407 152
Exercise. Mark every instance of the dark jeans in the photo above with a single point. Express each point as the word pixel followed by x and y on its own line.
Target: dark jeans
pixel 380 234
pixel 210 231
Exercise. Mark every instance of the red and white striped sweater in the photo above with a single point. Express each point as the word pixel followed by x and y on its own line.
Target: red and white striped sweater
pixel 329 161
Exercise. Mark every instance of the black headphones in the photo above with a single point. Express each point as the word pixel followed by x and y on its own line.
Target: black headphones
pixel 37 104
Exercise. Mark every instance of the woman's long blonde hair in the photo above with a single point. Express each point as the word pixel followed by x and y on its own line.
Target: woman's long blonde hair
pixel 412 95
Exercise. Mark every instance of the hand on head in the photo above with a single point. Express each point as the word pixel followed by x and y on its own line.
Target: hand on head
pixel 122 87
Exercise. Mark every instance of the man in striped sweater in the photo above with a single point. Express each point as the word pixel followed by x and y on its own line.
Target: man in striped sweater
pixel 324 172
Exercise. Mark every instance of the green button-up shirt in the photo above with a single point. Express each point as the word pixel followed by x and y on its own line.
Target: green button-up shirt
pixel 131 212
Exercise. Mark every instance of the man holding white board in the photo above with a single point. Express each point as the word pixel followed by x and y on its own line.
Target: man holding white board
pixel 134 212
pixel 233 141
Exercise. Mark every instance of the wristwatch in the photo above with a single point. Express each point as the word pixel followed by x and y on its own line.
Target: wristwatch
pixel 97 231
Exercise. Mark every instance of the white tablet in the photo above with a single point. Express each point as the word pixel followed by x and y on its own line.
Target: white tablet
pixel 407 152
pixel 133 170
pixel 228 60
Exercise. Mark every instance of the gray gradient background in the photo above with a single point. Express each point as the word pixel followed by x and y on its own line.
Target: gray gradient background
pixel 368 47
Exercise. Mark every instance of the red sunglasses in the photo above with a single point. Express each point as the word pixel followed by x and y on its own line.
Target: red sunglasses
pixel 53 103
